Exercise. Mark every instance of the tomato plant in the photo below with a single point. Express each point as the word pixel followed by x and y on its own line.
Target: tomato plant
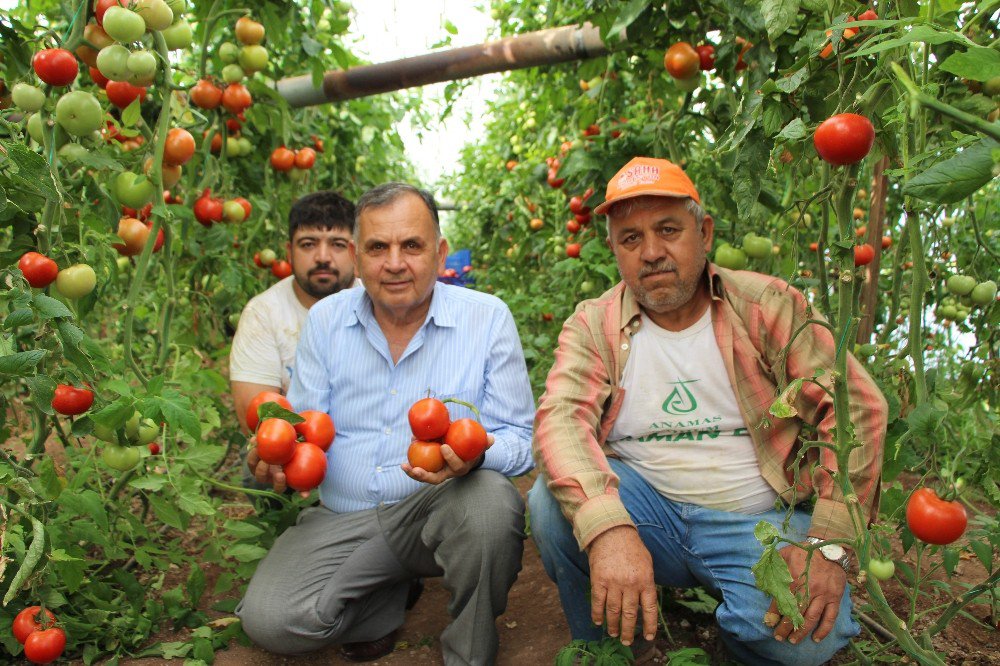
pixel 934 520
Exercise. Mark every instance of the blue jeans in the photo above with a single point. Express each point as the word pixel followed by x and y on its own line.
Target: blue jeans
pixel 690 546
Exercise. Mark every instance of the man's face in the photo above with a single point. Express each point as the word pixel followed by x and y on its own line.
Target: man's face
pixel 399 255
pixel 661 252
pixel 321 262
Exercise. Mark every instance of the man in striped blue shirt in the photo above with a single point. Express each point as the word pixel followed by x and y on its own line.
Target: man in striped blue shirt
pixel 341 575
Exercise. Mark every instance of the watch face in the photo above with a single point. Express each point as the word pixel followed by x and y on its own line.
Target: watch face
pixel 832 551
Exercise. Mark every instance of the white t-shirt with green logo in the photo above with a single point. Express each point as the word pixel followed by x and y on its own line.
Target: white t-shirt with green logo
pixel 680 425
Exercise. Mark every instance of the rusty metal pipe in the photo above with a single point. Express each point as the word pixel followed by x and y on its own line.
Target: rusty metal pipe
pixel 545 47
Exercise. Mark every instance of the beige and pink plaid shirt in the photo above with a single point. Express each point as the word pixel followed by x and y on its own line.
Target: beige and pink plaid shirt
pixel 754 317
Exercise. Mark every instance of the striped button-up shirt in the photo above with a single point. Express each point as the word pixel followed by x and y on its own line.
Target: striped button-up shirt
pixel 754 316
pixel 467 348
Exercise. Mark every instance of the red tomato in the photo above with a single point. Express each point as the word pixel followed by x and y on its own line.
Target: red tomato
pixel 236 98
pixel 122 93
pixel 814 247
pixel 281 269
pixel 305 158
pixel 934 520
pixel 681 61
pixel 206 95
pixel 256 260
pixel 179 147
pixel 868 15
pixel 158 243
pixel 706 57
pixel 27 622
pixel 573 250
pixel 429 419
pixel 307 467
pixel 554 181
pixel 573 226
pixel 425 455
pixel 207 209
pixel 154 449
pixel 282 159
pixel 39 270
pixel 133 234
pixel 317 428
pixel 44 647
pixel 98 78
pixel 275 441
pixel 845 138
pixel 56 67
pixel 863 254
pixel 264 396
pixel 467 438
pixel 70 400
pixel 886 242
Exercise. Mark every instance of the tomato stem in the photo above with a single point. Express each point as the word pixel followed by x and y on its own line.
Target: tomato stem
pixel 474 409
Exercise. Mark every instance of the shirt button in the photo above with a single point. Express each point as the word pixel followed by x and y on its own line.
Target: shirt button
pixel 393 392
pixel 625 346
pixel 388 431
pixel 378 469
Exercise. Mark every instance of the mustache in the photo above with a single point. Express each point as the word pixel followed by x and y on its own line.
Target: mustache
pixel 658 267
pixel 326 268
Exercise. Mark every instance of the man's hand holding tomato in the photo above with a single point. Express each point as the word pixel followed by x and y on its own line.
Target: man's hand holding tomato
pixel 267 474
pixel 453 466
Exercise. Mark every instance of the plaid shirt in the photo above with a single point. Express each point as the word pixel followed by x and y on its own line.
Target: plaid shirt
pixel 754 317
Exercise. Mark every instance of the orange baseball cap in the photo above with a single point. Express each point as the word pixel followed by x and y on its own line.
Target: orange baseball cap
pixel 648 176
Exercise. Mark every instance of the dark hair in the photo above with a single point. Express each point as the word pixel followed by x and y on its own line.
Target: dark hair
pixel 325 209
pixel 387 193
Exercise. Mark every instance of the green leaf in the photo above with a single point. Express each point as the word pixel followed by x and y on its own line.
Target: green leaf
pixel 176 410
pixel 49 308
pixel 921 33
pixel 793 131
pixel 242 530
pixel 151 482
pixel 195 585
pixel 978 63
pixel 246 552
pixel 21 363
pixel 784 405
pixel 950 558
pixel 86 503
pixel 772 577
pixel 957 177
pixel 115 414
pixel 132 113
pixel 166 512
pixel 789 84
pixel 272 410
pixel 627 17
pixel 751 162
pixel 450 27
pixel 18 317
pixel 311 46
pixel 984 552
pixel 71 337
pixel 779 15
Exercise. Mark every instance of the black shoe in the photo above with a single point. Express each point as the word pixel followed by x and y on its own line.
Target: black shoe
pixel 370 650
pixel 416 589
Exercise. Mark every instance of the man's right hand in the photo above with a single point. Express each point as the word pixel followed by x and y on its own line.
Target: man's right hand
pixel 267 474
pixel 621 582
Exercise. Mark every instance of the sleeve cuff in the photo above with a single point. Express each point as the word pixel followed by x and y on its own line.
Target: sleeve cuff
pixel 598 515
pixel 831 520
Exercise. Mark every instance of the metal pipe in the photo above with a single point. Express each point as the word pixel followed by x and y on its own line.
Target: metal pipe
pixel 545 47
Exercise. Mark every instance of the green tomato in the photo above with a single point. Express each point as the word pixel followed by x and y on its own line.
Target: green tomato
pixel 229 52
pixel 984 293
pixel 156 14
pixel 233 211
pixel 730 257
pixel 232 74
pixel 246 146
pixel 947 221
pixel 133 190
pixel 268 257
pixel 178 36
pixel 868 349
pixel 586 286
pixel 76 281
pixel 947 312
pixel 881 569
pixel 141 431
pixel 233 147
pixel 253 58
pixel 178 7
pixel 141 65
pixel 757 247
pixel 72 152
pixel 105 434
pixel 35 129
pixel 991 88
pixel 121 458
pixel 79 113
pixel 27 97
pixel 112 62
pixel 960 285
pixel 123 25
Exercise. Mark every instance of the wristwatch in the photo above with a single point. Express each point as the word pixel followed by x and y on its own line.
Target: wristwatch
pixel 833 552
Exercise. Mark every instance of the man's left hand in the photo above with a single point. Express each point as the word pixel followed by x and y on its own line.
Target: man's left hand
pixel 453 466
pixel 826 580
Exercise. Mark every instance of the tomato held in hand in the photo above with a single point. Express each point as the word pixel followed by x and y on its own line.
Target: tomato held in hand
pixel 429 419
pixel 275 441
pixel 70 401
pixel 44 647
pixel 425 455
pixel 39 270
pixel 934 520
pixel 317 428
pixel 307 467
pixel 264 396
pixel 27 622
pixel 467 438
pixel 56 67
pixel 845 138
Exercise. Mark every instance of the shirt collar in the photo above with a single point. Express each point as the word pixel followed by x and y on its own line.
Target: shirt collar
pixel 440 312
pixel 630 305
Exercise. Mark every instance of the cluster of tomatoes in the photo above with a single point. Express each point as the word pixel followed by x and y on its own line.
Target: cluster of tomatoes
pixel 40 271
pixel 965 293
pixel 208 209
pixel 432 426
pixel 303 462
pixel 581 218
pixel 685 63
pixel 849 33
pixel 553 179
pixel 43 641
pixel 124 454
pixel 295 162
pixel 267 258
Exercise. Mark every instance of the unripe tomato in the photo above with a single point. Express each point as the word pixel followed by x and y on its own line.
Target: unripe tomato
pixel 317 428
pixel 79 113
pixel 253 58
pixel 112 62
pixel 307 468
pixel 123 25
pixel 281 269
pixel 467 438
pixel 155 13
pixel 121 458
pixel 264 397
pixel 70 401
pixel 429 419
pixel 39 270
pixel 426 455
pixel 248 31
pixel 275 441
pixel 178 36
pixel 305 158
pixel 863 254
pixel 206 95
pixel 934 520
pixel 27 97
pixel 133 190
pixel 26 622
pixel 44 647
pixel 845 138
pixel 101 7
pixel 881 569
pixel 236 98
pixel 56 67
pixel 232 73
pixel 123 93
pixel 247 208
pixel 233 211
pixel 282 159
pixel 76 281
pixel 681 61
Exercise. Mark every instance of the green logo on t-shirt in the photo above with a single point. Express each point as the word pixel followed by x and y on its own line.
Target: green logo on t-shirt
pixel 680 400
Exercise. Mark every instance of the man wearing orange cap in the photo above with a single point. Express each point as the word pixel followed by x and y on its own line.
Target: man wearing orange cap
pixel 657 451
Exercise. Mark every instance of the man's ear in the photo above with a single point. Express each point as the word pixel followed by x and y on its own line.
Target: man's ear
pixel 442 254
pixel 708 232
